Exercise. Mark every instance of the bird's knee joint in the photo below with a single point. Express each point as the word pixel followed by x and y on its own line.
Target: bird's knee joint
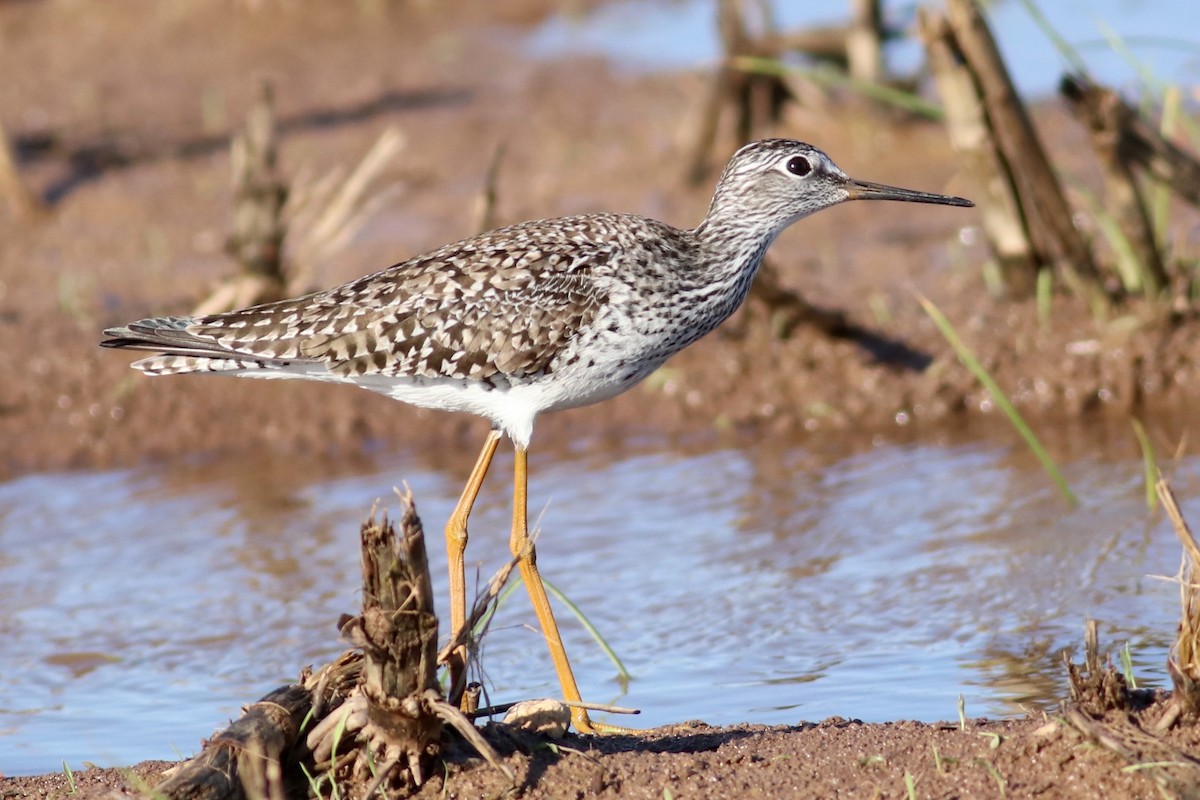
pixel 456 532
pixel 525 552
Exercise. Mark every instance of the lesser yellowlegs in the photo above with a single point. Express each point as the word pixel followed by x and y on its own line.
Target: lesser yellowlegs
pixel 535 317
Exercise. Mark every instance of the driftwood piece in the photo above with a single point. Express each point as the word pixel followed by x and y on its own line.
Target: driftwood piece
pixel 245 759
pixel 1045 210
pixel 256 755
pixel 1110 124
pixel 967 126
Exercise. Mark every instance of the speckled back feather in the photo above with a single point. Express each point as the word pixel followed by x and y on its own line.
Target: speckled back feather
pixel 539 316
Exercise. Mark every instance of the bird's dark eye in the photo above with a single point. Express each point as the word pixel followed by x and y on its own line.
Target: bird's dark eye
pixel 799 165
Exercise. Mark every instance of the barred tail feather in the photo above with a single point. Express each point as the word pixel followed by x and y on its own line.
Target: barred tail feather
pixel 179 351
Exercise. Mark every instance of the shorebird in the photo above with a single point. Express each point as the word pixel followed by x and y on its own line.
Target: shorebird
pixel 541 316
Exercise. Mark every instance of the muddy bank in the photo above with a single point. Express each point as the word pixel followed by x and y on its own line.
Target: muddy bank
pixel 134 164
pixel 1026 758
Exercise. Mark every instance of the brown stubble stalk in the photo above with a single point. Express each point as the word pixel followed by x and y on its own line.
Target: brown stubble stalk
pixel 1183 662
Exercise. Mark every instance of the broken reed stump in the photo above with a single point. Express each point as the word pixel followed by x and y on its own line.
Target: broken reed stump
pixel 967 126
pixel 1144 147
pixel 371 718
pixel 260 192
pixel 1126 144
pixel 397 633
pixel 1020 167
pixel 1108 122
pixel 757 98
pixel 1105 711
pixel 1183 661
pixel 1098 687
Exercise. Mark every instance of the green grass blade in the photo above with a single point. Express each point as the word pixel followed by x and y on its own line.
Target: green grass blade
pixel 829 76
pixel 1160 193
pixel 1064 48
pixel 1149 463
pixel 1127 667
pixel 70 776
pixel 590 628
pixel 579 615
pixel 1045 295
pixel 971 363
pixel 1151 83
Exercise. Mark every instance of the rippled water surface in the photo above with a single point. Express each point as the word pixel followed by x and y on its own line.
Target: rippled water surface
pixel 140 609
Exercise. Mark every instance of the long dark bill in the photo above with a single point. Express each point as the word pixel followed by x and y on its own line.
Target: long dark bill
pixel 865 190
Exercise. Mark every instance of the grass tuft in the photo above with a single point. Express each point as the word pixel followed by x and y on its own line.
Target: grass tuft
pixel 1005 405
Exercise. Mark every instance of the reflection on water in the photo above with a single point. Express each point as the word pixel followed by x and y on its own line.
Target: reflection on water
pixel 773 583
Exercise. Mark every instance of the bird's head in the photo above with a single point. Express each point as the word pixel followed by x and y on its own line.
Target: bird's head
pixel 778 181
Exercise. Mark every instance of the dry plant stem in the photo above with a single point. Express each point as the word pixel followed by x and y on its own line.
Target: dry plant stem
pixel 1137 141
pixel 1176 772
pixel 1183 662
pixel 485 203
pixel 465 728
pixel 1044 206
pixel 864 41
pixel 258 229
pixel 324 215
pixel 1102 689
pixel 967 127
pixel 397 632
pixel 756 99
pixel 1109 121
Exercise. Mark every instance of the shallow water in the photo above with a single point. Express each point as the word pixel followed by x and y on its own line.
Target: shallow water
pixel 766 583
pixel 681 34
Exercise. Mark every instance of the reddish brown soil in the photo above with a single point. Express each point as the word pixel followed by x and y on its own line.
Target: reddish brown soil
pixel 1029 758
pixel 121 115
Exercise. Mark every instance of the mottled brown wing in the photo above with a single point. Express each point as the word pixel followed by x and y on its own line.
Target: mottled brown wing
pixel 479 310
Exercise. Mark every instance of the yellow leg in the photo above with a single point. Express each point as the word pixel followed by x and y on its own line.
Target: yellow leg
pixel 456 548
pixel 522 549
